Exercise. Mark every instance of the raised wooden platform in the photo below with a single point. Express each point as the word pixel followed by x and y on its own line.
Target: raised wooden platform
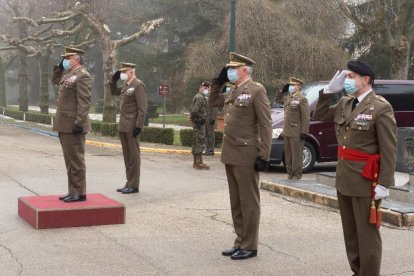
pixel 49 212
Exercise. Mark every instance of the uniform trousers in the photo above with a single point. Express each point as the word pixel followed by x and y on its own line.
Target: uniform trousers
pixel 73 147
pixel 132 158
pixel 198 139
pixel 210 137
pixel 362 240
pixel 245 204
pixel 294 156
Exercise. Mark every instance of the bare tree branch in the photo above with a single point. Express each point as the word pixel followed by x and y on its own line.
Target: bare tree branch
pixel 146 28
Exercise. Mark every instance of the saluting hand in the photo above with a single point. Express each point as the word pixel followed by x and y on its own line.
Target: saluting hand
pixel 337 83
pixel 222 77
pixel 61 64
pixel 116 76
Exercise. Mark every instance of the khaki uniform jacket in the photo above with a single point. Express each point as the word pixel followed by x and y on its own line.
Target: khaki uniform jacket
pixel 370 128
pixel 133 104
pixel 247 123
pixel 74 99
pixel 296 115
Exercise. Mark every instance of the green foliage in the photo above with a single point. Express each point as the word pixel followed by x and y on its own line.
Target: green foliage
pixel 96 126
pixel 219 138
pixel 109 129
pixel 18 115
pixel 186 137
pixel 158 135
pixel 39 118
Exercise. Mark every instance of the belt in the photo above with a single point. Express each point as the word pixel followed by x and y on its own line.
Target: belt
pixel 370 172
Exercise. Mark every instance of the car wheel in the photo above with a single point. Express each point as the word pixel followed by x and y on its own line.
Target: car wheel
pixel 309 157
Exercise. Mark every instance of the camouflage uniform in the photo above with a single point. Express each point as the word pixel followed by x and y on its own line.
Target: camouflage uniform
pixel 198 117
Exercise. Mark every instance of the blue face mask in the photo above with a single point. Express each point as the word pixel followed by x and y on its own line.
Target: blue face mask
pixel 66 64
pixel 232 75
pixel 350 86
pixel 291 89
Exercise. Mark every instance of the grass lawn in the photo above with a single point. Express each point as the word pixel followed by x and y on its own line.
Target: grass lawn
pixel 176 119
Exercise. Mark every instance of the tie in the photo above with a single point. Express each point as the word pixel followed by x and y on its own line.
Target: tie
pixel 354 103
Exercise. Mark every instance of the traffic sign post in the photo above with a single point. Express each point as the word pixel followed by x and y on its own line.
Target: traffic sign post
pixel 164 90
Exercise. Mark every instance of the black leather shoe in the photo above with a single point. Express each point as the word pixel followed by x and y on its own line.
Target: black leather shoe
pixel 208 152
pixel 75 198
pixel 244 254
pixel 64 196
pixel 120 189
pixel 129 190
pixel 231 251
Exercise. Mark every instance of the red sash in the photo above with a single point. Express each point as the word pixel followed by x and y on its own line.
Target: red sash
pixel 370 172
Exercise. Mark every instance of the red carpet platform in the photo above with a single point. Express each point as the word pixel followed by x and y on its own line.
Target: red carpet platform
pixel 49 212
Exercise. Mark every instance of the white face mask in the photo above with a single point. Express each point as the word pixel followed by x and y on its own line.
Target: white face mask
pixel 123 76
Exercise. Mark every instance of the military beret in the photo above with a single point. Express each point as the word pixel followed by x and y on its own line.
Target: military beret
pixel 70 51
pixel 205 83
pixel 126 66
pixel 295 81
pixel 237 60
pixel 361 68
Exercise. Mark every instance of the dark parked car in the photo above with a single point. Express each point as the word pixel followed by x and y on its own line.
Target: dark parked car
pixel 321 144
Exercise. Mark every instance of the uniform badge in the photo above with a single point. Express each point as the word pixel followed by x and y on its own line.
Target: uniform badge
pixel 130 91
pixel 363 117
pixel 244 98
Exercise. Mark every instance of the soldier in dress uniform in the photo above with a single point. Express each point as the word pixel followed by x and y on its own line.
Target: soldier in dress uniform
pixel 133 95
pixel 71 120
pixel 295 129
pixel 210 137
pixel 366 132
pixel 246 146
pixel 198 117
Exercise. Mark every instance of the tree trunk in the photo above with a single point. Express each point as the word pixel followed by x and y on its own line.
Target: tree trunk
pixel 110 58
pixel 3 98
pixel 23 96
pixel 400 60
pixel 44 83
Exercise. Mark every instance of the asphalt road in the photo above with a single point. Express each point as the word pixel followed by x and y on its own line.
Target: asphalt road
pixel 177 225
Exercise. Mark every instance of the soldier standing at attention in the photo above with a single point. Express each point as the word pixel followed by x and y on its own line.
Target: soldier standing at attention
pixel 366 133
pixel 133 95
pixel 295 128
pixel 198 117
pixel 247 140
pixel 209 126
pixel 72 120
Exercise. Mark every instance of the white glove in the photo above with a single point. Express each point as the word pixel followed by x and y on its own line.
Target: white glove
pixel 337 83
pixel 381 192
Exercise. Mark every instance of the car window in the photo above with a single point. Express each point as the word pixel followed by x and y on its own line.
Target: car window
pixel 400 96
pixel 311 92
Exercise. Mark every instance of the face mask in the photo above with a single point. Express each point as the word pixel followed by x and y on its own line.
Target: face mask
pixel 232 75
pixel 350 86
pixel 205 92
pixel 291 89
pixel 123 76
pixel 66 64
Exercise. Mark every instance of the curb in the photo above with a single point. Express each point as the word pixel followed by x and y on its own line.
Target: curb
pixel 389 216
pixel 110 145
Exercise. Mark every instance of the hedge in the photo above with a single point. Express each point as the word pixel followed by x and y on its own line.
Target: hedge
pixel 186 137
pixel 158 135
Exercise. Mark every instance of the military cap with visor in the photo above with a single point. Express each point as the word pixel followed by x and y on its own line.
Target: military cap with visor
pixel 126 66
pixel 361 68
pixel 237 60
pixel 295 81
pixel 205 83
pixel 70 51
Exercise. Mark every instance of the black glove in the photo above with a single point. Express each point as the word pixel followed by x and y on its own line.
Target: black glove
pixel 212 122
pixel 222 77
pixel 61 64
pixel 303 136
pixel 77 129
pixel 137 131
pixel 116 76
pixel 260 165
